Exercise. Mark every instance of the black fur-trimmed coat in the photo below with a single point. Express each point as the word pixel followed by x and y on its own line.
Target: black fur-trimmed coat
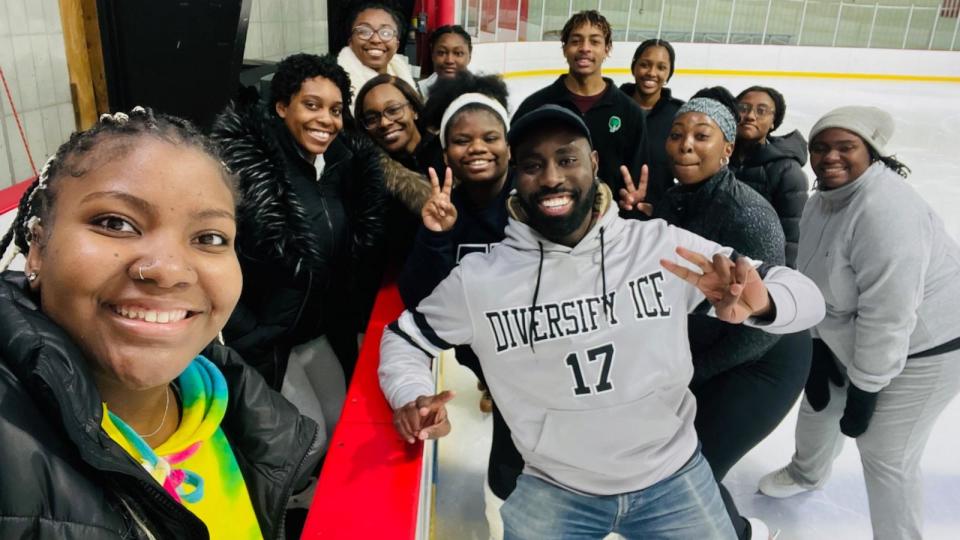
pixel 309 248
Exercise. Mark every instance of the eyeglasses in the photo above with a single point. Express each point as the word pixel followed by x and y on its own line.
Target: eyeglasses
pixel 393 113
pixel 365 32
pixel 760 110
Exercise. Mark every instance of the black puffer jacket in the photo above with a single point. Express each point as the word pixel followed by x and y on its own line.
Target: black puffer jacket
pixel 659 122
pixel 775 171
pixel 64 478
pixel 728 212
pixel 309 248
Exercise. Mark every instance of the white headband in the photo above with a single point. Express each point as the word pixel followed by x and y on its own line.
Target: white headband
pixel 471 99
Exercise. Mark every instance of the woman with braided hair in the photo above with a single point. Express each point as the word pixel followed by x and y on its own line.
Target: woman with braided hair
pixel 119 415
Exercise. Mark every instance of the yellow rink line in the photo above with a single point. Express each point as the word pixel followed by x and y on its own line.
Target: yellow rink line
pixel 758 73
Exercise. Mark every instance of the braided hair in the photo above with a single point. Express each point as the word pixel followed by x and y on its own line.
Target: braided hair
pixel 890 161
pixel 37 203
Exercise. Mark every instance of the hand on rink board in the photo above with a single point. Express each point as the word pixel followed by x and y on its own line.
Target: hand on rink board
pixel 438 213
pixel 633 198
pixel 424 418
pixel 734 289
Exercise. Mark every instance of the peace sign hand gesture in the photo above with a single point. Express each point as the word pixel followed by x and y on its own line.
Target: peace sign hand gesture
pixel 632 198
pixel 438 213
pixel 735 289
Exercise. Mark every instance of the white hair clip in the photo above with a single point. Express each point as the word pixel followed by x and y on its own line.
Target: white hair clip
pixel 116 118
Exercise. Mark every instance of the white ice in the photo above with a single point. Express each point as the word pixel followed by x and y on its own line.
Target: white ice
pixel 927 139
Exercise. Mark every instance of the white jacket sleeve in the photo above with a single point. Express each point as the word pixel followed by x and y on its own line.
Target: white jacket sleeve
pixel 798 302
pixel 889 255
pixel 441 321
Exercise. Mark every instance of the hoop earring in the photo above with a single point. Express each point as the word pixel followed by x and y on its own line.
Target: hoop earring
pixel 724 161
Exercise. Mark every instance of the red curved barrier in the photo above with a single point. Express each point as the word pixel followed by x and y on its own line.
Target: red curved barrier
pixel 10 197
pixel 370 483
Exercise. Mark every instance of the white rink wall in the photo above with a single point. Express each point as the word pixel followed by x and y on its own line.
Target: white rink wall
pixel 921 89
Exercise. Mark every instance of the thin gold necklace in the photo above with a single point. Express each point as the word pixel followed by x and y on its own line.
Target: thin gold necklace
pixel 166 409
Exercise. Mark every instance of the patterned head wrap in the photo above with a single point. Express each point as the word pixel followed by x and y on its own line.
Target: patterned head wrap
pixel 716 111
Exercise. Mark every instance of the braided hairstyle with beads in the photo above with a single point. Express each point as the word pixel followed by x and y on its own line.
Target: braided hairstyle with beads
pixel 38 200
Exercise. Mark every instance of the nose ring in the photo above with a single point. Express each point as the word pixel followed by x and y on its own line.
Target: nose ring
pixel 140 271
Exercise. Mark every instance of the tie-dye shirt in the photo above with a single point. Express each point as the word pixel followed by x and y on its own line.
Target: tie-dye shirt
pixel 196 465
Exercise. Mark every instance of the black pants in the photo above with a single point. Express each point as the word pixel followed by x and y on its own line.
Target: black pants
pixel 738 408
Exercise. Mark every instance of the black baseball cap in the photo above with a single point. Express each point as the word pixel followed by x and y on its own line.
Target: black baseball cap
pixel 520 127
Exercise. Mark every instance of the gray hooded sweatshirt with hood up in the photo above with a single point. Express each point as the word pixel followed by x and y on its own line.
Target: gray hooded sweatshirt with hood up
pixel 584 348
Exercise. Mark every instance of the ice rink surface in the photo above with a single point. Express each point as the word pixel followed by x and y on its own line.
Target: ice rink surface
pixel 927 139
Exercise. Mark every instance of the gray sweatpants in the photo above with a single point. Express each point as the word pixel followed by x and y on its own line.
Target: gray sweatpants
pixel 892 446
pixel 314 383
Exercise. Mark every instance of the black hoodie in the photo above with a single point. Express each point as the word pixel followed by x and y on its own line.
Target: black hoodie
pixel 775 171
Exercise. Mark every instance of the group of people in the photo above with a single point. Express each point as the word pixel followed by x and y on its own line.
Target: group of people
pixel 174 355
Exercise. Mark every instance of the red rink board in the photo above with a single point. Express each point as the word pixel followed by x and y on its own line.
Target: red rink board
pixel 370 483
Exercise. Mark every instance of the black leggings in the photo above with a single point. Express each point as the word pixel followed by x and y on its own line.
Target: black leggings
pixel 738 408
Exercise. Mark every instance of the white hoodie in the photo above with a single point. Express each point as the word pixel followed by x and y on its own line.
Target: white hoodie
pixel 598 403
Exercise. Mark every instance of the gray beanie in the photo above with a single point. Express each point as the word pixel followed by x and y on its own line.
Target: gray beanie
pixel 873 125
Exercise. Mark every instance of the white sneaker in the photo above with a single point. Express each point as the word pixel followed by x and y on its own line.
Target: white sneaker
pixel 760 531
pixel 780 484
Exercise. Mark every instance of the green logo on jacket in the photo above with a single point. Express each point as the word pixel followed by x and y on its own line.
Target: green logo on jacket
pixel 614 124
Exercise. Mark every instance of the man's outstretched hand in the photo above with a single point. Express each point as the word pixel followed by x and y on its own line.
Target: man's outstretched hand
pixel 424 418
pixel 733 288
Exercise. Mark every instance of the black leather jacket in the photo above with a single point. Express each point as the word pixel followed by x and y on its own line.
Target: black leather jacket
pixel 309 248
pixel 62 477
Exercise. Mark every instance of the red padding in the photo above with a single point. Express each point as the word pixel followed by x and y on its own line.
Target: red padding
pixel 370 483
pixel 10 197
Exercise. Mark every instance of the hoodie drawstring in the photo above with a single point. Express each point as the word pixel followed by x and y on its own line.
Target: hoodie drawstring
pixel 607 305
pixel 536 292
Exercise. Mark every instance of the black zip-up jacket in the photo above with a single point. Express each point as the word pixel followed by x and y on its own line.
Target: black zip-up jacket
pixel 434 255
pixel 727 211
pixel 310 249
pixel 775 170
pixel 64 478
pixel 659 121
pixel 616 126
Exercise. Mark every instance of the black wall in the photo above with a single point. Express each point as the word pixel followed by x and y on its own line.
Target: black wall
pixel 180 57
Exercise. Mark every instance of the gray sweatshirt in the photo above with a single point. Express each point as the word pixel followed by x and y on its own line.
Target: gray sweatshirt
pixel 888 271
pixel 595 393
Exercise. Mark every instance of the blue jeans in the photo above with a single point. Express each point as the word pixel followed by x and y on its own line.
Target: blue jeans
pixel 683 506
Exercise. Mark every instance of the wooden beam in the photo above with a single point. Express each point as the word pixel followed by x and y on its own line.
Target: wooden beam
pixel 81 38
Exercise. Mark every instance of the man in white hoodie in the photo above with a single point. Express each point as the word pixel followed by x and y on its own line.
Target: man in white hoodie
pixel 579 321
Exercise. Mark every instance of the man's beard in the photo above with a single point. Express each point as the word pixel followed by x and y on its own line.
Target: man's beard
pixel 558 228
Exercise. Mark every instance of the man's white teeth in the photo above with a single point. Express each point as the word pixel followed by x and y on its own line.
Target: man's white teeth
pixel 555 202
pixel 151 315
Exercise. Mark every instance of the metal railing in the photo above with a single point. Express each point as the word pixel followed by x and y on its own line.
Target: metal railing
pixel 930 24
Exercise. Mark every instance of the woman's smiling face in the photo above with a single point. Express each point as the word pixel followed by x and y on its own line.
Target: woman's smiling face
pixel 375 52
pixel 136 259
